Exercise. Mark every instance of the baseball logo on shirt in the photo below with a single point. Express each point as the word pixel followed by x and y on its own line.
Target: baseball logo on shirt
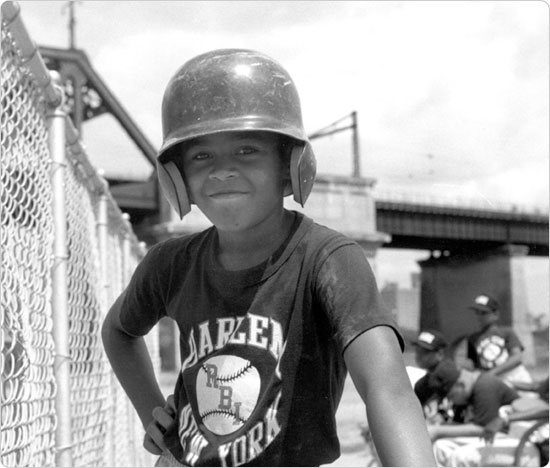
pixel 227 392
pixel 492 351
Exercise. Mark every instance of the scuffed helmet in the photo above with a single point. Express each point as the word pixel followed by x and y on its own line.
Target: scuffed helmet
pixel 231 90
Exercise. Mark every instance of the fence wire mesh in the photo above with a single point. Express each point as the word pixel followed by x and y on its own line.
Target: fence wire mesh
pixel 28 383
pixel 89 370
pixel 105 430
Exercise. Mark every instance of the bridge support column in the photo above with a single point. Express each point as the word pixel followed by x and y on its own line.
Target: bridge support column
pixel 450 284
pixel 346 204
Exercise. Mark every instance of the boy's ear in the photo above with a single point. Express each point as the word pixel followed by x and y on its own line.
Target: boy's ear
pixel 287 180
pixel 173 187
pixel 302 172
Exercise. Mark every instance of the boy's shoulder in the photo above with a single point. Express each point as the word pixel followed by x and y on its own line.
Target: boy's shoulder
pixel 506 329
pixel 167 250
pixel 493 386
pixel 326 236
pixel 493 330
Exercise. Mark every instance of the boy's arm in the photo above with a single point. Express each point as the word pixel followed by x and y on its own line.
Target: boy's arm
pixel 395 416
pixel 454 430
pixel 515 359
pixel 132 365
pixel 515 351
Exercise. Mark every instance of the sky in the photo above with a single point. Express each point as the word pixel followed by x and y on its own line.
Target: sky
pixel 452 97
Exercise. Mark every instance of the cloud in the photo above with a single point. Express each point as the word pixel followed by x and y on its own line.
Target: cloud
pixel 446 92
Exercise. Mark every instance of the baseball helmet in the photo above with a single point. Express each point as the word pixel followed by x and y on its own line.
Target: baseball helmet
pixel 231 90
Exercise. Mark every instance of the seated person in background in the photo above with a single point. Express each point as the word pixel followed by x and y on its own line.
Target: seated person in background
pixel 540 387
pixel 430 350
pixel 474 442
pixel 493 348
pixel 527 410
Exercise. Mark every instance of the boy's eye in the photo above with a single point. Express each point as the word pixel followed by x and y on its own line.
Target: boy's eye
pixel 201 156
pixel 244 150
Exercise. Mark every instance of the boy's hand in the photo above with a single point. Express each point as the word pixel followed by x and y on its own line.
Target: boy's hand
pixel 489 431
pixel 163 420
pixel 433 432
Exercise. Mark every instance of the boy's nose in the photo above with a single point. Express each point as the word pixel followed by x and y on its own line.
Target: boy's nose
pixel 223 169
pixel 223 174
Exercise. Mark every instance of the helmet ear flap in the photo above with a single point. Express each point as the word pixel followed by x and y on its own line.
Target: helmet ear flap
pixel 173 187
pixel 303 168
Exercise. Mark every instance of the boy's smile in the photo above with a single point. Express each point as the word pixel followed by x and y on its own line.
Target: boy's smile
pixel 227 195
pixel 235 178
pixel 486 318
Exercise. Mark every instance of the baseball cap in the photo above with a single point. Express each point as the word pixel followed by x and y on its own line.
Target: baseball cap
pixel 485 303
pixel 444 376
pixel 431 340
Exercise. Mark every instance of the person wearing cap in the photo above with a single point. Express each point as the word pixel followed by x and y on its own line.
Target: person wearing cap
pixel 493 348
pixel 430 350
pixel 475 441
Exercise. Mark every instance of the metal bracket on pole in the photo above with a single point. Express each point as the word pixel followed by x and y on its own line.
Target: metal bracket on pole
pixel 336 127
pixel 60 308
pixel 11 13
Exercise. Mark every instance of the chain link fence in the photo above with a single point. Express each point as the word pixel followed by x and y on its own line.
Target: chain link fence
pixel 67 252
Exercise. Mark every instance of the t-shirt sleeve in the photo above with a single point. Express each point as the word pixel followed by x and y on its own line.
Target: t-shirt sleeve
pixel 346 287
pixel 471 352
pixel 143 305
pixel 512 340
pixel 423 390
pixel 490 393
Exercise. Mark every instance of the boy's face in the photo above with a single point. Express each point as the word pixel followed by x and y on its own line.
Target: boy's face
pixel 457 394
pixel 485 317
pixel 426 359
pixel 237 179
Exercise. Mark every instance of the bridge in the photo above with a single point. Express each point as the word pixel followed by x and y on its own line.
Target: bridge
pixel 473 247
pixel 63 229
pixel 449 227
pixel 411 222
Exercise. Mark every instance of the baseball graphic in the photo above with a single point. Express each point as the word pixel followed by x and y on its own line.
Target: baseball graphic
pixel 492 352
pixel 227 392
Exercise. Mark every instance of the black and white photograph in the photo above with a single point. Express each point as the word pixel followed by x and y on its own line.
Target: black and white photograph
pixel 274 233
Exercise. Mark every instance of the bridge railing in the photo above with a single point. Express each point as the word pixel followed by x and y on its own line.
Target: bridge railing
pixel 467 203
pixel 67 251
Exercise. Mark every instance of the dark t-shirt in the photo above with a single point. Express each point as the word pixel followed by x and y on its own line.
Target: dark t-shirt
pixel 492 347
pixel 426 389
pixel 489 393
pixel 262 349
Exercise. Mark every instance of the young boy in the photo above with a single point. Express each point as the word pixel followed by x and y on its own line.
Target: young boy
pixel 431 350
pixel 495 349
pixel 479 441
pixel 272 309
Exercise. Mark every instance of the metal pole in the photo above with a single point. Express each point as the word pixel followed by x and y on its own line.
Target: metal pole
pixel 102 224
pixel 126 254
pixel 125 278
pixel 102 233
pixel 60 309
pixel 355 141
pixel 11 19
pixel 72 22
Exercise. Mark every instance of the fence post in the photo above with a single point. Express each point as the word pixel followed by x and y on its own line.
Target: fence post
pixel 125 278
pixel 60 310
pixel 102 233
